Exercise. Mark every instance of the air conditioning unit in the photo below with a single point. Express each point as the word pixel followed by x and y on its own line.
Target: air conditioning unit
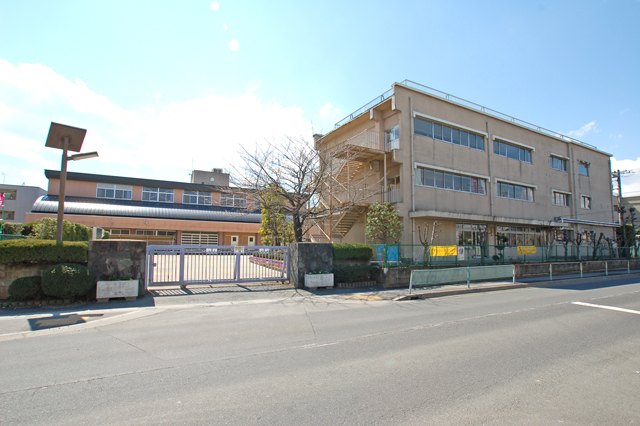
pixel 374 165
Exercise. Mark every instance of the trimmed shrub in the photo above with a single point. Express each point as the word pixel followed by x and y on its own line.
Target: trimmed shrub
pixel 46 228
pixel 343 251
pixel 26 288
pixel 43 251
pixel 12 228
pixel 28 228
pixel 352 274
pixel 67 280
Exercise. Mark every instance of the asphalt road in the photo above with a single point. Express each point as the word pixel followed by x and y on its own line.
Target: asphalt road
pixel 519 357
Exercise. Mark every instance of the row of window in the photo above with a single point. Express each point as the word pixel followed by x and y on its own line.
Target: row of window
pixel 458 182
pixel 516 192
pixel 453 181
pixel 460 137
pixel 561 164
pixel 144 232
pixel 163 195
pixel 448 134
pixel 511 151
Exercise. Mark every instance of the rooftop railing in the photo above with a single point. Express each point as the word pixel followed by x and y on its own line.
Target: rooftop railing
pixel 463 102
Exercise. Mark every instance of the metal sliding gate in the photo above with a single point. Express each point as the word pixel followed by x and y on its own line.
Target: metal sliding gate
pixel 183 265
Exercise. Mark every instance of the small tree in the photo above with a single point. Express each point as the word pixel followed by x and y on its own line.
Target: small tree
pixel 384 223
pixel 275 230
pixel 501 243
pixel 45 229
pixel 597 244
pixel 294 171
pixel 566 239
pixel 427 240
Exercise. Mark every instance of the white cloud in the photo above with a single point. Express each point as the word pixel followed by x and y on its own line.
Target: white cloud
pixel 630 181
pixel 156 142
pixel 215 5
pixel 225 26
pixel 618 136
pixel 325 110
pixel 583 130
pixel 234 45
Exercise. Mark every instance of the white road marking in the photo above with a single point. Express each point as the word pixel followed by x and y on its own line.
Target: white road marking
pixel 611 308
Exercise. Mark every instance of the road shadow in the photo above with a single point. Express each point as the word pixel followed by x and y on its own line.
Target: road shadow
pixel 592 281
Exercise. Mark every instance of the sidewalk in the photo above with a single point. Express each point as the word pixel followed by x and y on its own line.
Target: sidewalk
pixel 44 319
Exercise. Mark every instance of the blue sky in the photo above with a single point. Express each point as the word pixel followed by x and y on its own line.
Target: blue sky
pixel 163 85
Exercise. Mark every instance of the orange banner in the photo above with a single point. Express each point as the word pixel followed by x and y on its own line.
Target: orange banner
pixel 527 250
pixel 443 251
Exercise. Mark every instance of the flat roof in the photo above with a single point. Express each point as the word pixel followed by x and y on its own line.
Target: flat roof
pixel 88 177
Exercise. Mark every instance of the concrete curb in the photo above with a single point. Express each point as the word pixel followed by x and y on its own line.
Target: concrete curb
pixel 498 287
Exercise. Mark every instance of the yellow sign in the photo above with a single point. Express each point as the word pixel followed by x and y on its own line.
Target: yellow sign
pixel 527 249
pixel 437 251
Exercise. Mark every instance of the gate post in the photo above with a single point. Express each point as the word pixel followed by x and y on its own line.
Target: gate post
pixel 182 265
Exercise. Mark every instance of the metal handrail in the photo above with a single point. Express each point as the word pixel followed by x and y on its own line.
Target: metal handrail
pixel 378 100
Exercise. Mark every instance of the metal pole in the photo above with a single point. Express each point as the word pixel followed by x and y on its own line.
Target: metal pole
pixel 514 274
pixel 606 267
pixel 468 278
pixel 580 269
pixel 550 272
pixel 63 181
pixel 628 267
pixel 2 216
pixel 410 282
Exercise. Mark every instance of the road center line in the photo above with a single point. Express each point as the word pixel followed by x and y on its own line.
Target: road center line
pixel 611 308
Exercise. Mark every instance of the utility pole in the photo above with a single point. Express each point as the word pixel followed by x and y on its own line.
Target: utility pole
pixel 617 175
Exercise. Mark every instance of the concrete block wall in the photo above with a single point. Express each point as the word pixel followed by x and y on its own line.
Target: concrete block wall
pixel 118 259
pixel 309 257
pixel 8 273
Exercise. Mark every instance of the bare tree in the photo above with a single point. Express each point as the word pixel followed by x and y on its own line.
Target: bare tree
pixel 427 240
pixel 290 169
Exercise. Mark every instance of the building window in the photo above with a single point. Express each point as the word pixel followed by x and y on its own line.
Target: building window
pixel 196 197
pixel 585 202
pixel 233 200
pixel 448 134
pixel 157 194
pixel 561 198
pixel 583 168
pixel 522 235
pixel 9 194
pixel 119 232
pixel 558 163
pixel 515 192
pixel 392 138
pixel 469 234
pixel 148 233
pixel 117 192
pixel 452 181
pixel 8 215
pixel 511 151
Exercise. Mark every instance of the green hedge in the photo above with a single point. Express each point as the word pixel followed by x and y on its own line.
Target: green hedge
pixel 67 280
pixel 26 288
pixel 343 251
pixel 12 228
pixel 46 228
pixel 43 251
pixel 352 274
